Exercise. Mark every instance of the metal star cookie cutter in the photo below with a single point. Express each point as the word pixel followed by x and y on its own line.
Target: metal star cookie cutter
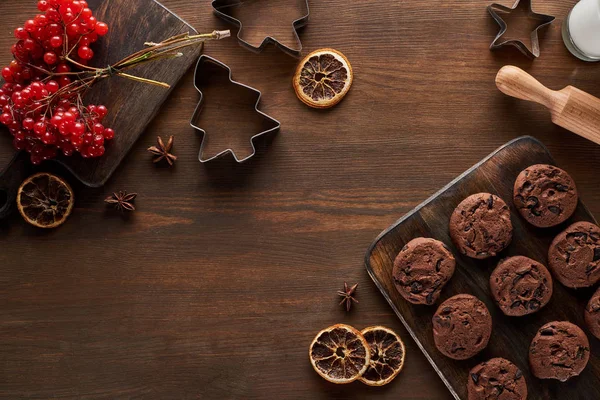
pixel 219 7
pixel 544 20
pixel 276 124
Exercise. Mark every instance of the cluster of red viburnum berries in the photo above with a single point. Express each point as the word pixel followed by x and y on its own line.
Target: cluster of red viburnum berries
pixel 39 101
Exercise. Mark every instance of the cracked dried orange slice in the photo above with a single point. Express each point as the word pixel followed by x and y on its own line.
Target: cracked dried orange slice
pixel 386 356
pixel 339 354
pixel 45 200
pixel 323 78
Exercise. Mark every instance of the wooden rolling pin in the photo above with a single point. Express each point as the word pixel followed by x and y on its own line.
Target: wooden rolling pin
pixel 571 108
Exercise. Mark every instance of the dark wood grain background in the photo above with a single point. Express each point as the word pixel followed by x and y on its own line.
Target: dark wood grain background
pixel 215 287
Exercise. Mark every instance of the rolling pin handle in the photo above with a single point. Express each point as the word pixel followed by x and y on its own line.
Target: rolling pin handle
pixel 515 82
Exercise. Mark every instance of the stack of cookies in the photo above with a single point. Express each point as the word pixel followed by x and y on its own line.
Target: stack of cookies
pixel 480 228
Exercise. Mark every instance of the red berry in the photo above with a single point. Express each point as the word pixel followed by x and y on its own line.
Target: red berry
pixel 72 30
pixel 7 74
pixel 26 94
pixel 69 117
pixel 56 120
pixel 98 128
pixel 29 44
pixel 62 68
pixel 30 25
pixel 101 28
pixel 64 128
pixel 56 41
pixel 64 81
pixel 50 58
pixel 40 20
pixel 85 14
pixel 54 30
pixel 76 141
pixel 78 129
pixel 53 15
pixel 85 53
pixel 43 5
pixel 109 134
pixel 39 128
pixel 6 118
pixel 28 123
pixel 48 138
pixel 21 34
pixel 76 6
pixel 98 140
pixel 52 86
pixel 15 66
pixel 90 24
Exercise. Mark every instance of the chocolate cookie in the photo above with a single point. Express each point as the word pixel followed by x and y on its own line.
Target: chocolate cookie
pixel 521 286
pixel 560 350
pixel 592 314
pixel 574 255
pixel 496 379
pixel 480 226
pixel 462 326
pixel 545 195
pixel 421 270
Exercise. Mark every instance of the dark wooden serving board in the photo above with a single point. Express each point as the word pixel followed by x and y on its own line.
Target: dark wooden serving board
pixel 131 105
pixel 511 336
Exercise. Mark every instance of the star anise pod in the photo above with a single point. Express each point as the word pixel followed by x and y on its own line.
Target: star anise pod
pixel 163 152
pixel 348 295
pixel 122 201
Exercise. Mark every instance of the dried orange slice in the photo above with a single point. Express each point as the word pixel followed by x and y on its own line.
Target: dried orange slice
pixel 386 355
pixel 45 200
pixel 339 354
pixel 323 78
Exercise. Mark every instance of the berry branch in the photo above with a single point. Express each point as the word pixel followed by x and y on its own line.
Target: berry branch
pixel 41 102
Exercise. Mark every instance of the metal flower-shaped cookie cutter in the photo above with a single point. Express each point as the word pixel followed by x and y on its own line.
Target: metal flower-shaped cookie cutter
pixel 220 6
pixel 543 19
pixel 275 123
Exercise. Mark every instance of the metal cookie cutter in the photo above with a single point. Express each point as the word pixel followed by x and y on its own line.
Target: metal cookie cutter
pixel 273 123
pixel 220 7
pixel 543 19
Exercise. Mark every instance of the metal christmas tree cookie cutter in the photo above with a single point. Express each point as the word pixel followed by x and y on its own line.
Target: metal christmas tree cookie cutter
pixel 544 20
pixel 275 124
pixel 220 7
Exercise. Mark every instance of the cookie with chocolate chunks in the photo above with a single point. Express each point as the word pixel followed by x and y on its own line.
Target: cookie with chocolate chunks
pixel 497 378
pixel 462 326
pixel 592 314
pixel 421 270
pixel 545 195
pixel 521 286
pixel 560 350
pixel 480 226
pixel 574 255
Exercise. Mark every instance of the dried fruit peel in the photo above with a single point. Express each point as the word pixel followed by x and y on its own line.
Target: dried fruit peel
pixel 323 78
pixel 339 354
pixel 45 200
pixel 387 354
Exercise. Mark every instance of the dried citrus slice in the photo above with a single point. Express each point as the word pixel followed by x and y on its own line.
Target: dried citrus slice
pixel 323 78
pixel 339 354
pixel 45 200
pixel 386 355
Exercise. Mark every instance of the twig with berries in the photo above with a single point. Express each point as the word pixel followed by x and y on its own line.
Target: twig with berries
pixel 41 101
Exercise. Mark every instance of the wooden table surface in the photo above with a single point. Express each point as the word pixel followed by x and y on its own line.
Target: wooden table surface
pixel 216 286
